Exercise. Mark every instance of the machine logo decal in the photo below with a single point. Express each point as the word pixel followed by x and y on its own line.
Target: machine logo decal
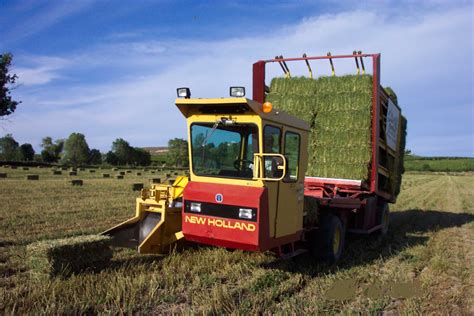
pixel 219 198
pixel 220 223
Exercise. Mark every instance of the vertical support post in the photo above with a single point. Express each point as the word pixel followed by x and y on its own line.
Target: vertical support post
pixel 258 84
pixel 375 122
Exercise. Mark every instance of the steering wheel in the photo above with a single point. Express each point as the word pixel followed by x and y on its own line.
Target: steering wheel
pixel 243 162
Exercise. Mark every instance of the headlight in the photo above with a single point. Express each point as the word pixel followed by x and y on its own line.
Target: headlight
pixel 238 92
pixel 195 207
pixel 245 213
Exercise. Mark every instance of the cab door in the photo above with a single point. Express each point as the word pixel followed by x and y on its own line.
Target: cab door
pixel 286 197
pixel 289 216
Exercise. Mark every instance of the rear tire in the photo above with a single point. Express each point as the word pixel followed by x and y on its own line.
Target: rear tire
pixel 329 242
pixel 383 215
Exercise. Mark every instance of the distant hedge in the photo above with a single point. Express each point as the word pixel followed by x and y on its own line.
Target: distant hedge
pixel 457 164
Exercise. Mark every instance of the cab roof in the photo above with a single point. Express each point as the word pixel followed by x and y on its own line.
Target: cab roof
pixel 226 106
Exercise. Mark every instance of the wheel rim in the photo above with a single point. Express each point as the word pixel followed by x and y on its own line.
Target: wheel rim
pixel 336 240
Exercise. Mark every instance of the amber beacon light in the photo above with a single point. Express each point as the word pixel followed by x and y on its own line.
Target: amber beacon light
pixel 267 107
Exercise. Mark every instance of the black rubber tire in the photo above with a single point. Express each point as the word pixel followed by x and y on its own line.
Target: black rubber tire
pixel 383 217
pixel 323 243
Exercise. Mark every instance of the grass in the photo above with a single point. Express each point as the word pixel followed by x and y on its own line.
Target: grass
pixel 428 249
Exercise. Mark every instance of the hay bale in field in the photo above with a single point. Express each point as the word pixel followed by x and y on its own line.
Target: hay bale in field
pixel 32 177
pixel 77 182
pixel 25 168
pixel 3 174
pixel 155 180
pixel 57 172
pixel 137 186
pixel 105 175
pixel 72 173
pixel 119 177
pixel 63 257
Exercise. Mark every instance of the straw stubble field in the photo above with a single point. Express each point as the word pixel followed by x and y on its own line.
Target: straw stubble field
pixel 428 254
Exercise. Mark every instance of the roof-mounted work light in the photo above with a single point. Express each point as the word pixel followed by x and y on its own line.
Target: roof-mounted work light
pixel 238 92
pixel 183 93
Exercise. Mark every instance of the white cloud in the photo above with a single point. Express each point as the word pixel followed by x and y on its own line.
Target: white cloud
pixel 426 56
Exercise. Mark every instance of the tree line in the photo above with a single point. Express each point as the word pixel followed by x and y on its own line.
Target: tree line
pixel 75 151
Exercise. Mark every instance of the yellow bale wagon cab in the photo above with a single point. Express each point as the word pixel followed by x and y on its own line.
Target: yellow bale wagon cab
pixel 247 187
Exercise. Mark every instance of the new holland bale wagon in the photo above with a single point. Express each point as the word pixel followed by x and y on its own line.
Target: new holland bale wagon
pixel 247 186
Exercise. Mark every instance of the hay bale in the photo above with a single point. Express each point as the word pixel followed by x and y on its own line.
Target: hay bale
pixel 32 177
pixel 119 177
pixel 155 180
pixel 3 174
pixel 25 168
pixel 339 110
pixel 77 182
pixel 72 173
pixel 57 172
pixel 63 257
pixel 105 175
pixel 137 186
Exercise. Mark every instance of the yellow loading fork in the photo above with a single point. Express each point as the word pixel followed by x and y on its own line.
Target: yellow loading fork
pixel 156 225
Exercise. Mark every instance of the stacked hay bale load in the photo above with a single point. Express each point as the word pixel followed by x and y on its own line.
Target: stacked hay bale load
pixel 339 110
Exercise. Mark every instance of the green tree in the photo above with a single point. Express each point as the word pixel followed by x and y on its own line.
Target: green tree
pixel 7 104
pixel 111 158
pixel 122 150
pixel 178 152
pixel 51 151
pixel 95 157
pixel 26 152
pixel 76 150
pixel 8 148
pixel 141 157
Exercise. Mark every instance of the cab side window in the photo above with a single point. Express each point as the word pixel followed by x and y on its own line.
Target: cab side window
pixel 271 144
pixel 292 154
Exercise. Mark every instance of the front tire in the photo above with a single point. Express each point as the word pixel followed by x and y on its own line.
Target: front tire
pixel 330 239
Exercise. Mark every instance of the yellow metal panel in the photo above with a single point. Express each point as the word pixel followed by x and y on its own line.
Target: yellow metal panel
pixel 289 216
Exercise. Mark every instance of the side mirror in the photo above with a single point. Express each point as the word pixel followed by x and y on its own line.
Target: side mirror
pixel 269 167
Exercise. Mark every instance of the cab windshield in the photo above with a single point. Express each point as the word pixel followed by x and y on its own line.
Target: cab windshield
pixel 223 149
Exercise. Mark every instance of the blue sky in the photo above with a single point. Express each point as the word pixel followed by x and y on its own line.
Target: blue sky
pixel 109 69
